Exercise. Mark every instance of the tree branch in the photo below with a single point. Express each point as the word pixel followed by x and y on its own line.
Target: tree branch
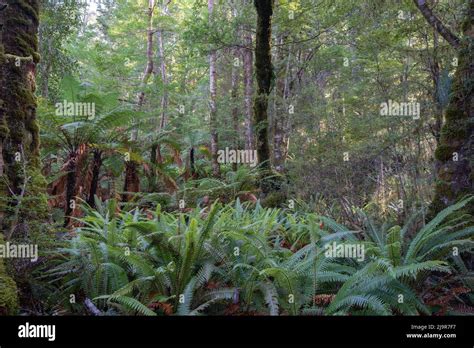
pixel 434 21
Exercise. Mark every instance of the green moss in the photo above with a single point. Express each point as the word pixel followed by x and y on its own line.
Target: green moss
pixel 30 11
pixel 444 152
pixel 274 200
pixel 4 131
pixel 36 57
pixel 454 178
pixel 454 130
pixel 8 291
pixel 453 113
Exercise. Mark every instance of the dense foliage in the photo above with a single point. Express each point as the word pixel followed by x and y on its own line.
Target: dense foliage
pixel 237 259
pixel 112 119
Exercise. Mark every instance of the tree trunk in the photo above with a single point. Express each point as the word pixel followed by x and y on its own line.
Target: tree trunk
pixel 264 72
pixel 455 152
pixel 213 100
pixel 155 154
pixel 435 76
pixel 280 134
pixel 132 180
pixel 248 86
pixel 235 108
pixel 164 77
pixel 19 131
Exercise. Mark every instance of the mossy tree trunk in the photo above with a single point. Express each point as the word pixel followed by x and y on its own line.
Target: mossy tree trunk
pixel 19 131
pixel 455 151
pixel 247 57
pixel 265 76
pixel 22 188
pixel 271 183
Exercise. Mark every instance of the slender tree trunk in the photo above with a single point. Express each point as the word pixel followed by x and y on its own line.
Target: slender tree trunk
pixel 192 163
pixel 247 56
pixel 213 99
pixel 264 72
pixel 164 77
pixel 436 76
pixel 152 176
pixel 155 154
pixel 164 80
pixel 280 135
pixel 132 180
pixel 235 110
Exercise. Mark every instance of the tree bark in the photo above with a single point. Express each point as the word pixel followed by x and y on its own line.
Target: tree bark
pixel 19 130
pixel 213 100
pixel 164 77
pixel 264 72
pixel 455 152
pixel 280 121
pixel 247 56
pixel 235 109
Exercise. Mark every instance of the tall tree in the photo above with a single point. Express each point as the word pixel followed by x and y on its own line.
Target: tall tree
pixel 455 151
pixel 247 58
pixel 132 180
pixel 265 77
pixel 164 76
pixel 155 155
pixel 213 98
